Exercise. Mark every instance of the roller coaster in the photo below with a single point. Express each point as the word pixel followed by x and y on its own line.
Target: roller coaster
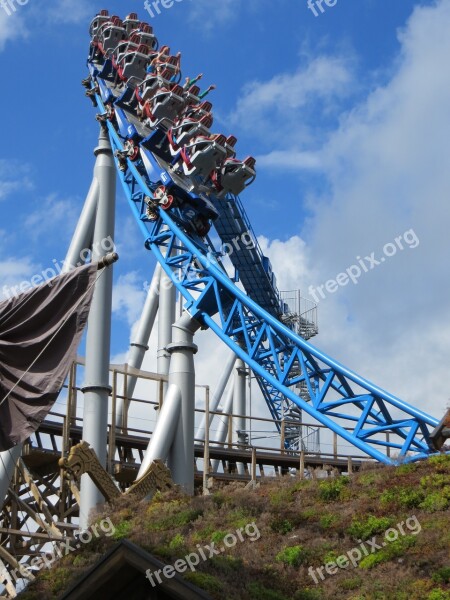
pixel 181 180
pixel 183 185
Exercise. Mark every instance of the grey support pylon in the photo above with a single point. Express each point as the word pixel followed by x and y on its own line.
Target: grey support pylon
pixel 182 375
pixel 239 407
pixel 97 388
pixel 164 433
pixel 166 318
pixel 139 346
pixel 84 232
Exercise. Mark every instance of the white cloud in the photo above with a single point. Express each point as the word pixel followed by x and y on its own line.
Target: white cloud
pixel 387 166
pixel 63 213
pixel 206 14
pixel 12 26
pixel 14 270
pixel 290 160
pixel 69 11
pixel 290 105
pixel 128 297
pixel 14 177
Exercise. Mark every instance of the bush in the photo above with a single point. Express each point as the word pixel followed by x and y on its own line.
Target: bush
pixel 280 525
pixel 122 530
pixel 328 520
pixel 438 595
pixel 392 550
pixel 442 461
pixel 262 593
pixel 176 542
pixel 352 583
pixel 174 521
pixel 332 490
pixel 207 582
pixel 308 594
pixel 436 501
pixel 442 575
pixel 292 555
pixel 407 497
pixel 365 529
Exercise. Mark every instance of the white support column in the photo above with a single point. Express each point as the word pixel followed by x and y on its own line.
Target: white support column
pixel 97 388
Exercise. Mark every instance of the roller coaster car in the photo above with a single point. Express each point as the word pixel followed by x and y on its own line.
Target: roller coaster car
pixel 144 35
pixel 131 22
pixel 199 111
pixel 133 63
pixel 166 106
pixel 164 62
pixel 100 19
pixel 110 35
pixel 147 89
pixel 191 96
pixel 189 128
pixel 195 212
pixel 234 176
pixel 203 155
pixel 229 146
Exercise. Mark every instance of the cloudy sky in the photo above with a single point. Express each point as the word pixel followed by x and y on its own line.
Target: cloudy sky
pixel 347 114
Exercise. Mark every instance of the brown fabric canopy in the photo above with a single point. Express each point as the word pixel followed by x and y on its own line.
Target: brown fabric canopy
pixel 30 381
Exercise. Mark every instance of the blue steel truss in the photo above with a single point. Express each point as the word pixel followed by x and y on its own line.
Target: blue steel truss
pixel 374 421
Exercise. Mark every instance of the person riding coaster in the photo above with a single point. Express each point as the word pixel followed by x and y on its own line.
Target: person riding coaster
pixel 164 107
pixel 194 212
pixel 147 89
pixel 187 129
pixel 203 155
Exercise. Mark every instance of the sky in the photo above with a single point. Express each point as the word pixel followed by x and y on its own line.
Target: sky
pixel 347 115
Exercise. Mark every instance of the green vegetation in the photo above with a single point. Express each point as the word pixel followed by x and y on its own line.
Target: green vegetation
pixel 365 528
pixel 302 524
pixel 332 490
pixel 293 556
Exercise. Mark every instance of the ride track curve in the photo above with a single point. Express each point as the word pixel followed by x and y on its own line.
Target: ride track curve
pixel 355 409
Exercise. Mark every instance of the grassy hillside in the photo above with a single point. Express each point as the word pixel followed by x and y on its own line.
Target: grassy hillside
pixel 396 519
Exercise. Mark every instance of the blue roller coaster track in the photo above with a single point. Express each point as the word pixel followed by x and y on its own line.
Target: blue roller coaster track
pixel 249 323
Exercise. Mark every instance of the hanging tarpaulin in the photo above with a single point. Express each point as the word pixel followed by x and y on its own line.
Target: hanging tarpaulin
pixel 40 331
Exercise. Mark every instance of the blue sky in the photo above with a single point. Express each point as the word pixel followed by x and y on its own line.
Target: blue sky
pixel 347 114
